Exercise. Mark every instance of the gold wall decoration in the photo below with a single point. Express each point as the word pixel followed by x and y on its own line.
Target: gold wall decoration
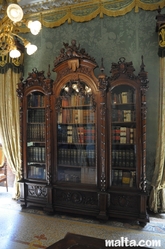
pixel 162 36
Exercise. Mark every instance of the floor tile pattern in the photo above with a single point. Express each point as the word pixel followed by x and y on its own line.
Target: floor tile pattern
pixel 32 229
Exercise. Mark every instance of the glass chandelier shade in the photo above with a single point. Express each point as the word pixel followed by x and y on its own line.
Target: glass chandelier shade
pixel 15 12
pixel 14 53
pixel 31 49
pixel 34 26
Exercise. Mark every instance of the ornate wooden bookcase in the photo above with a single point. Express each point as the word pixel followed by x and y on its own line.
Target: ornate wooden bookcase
pixel 35 128
pixel 83 138
pixel 126 125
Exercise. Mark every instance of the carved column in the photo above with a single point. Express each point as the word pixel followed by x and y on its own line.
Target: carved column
pixel 20 94
pixel 103 196
pixel 144 87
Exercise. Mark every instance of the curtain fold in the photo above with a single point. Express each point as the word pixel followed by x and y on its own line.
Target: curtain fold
pixel 157 195
pixel 9 123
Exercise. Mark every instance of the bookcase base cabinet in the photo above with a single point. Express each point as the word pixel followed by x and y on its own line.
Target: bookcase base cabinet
pixel 102 205
pixel 83 138
pixel 76 201
pixel 132 206
pixel 33 194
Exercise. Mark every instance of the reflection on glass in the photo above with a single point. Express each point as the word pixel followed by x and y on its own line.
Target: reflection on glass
pixel 123 136
pixel 36 150
pixel 76 135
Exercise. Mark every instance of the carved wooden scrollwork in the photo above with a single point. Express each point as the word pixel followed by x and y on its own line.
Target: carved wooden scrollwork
pixel 122 67
pixel 76 197
pixel 124 201
pixel 37 191
pixel 35 78
pixel 72 51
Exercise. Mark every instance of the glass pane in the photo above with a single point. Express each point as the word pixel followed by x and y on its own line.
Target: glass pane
pixel 123 136
pixel 76 135
pixel 36 163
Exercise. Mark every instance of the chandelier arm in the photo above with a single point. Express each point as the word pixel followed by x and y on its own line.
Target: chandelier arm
pixel 25 42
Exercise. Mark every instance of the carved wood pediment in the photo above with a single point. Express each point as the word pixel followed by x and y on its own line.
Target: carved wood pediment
pixel 73 64
pixel 72 51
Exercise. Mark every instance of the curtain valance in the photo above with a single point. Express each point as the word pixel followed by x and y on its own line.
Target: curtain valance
pixel 87 10
pixel 6 62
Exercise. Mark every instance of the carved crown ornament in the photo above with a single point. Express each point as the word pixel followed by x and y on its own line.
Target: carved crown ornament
pixel 127 69
pixel 72 52
pixel 36 78
pixel 122 67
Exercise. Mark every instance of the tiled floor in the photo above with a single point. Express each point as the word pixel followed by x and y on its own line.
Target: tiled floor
pixel 29 229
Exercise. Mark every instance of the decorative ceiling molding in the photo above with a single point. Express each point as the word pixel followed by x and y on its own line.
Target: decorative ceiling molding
pixel 39 6
pixel 113 6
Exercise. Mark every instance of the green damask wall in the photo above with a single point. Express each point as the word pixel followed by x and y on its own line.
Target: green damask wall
pixel 129 36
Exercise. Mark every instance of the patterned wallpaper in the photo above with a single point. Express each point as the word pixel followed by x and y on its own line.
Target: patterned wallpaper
pixel 129 36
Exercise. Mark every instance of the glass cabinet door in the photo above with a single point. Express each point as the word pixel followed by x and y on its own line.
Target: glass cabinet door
pixel 76 157
pixel 123 136
pixel 36 165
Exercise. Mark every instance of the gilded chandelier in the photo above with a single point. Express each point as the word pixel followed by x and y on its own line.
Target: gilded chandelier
pixel 9 38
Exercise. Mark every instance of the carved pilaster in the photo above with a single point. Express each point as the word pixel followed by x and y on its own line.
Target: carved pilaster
pixel 103 80
pixel 48 145
pixel 144 87
pixel 20 94
pixel 103 84
pixel 103 133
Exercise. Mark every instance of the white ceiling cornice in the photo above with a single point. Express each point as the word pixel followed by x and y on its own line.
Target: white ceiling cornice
pixel 36 6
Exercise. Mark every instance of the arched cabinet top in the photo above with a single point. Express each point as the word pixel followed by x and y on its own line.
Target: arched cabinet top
pixel 36 81
pixel 122 73
pixel 74 63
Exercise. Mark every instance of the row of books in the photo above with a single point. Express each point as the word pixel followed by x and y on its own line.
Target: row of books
pixel 72 134
pixel 36 171
pixel 123 158
pixel 36 100
pixel 123 97
pixel 77 100
pixel 124 178
pixel 36 154
pixel 36 132
pixel 76 116
pixel 123 135
pixel 84 175
pixel 76 157
pixel 36 116
pixel 123 115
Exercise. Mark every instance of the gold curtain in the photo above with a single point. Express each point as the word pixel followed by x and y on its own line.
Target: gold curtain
pixel 157 195
pixel 2 157
pixel 9 123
